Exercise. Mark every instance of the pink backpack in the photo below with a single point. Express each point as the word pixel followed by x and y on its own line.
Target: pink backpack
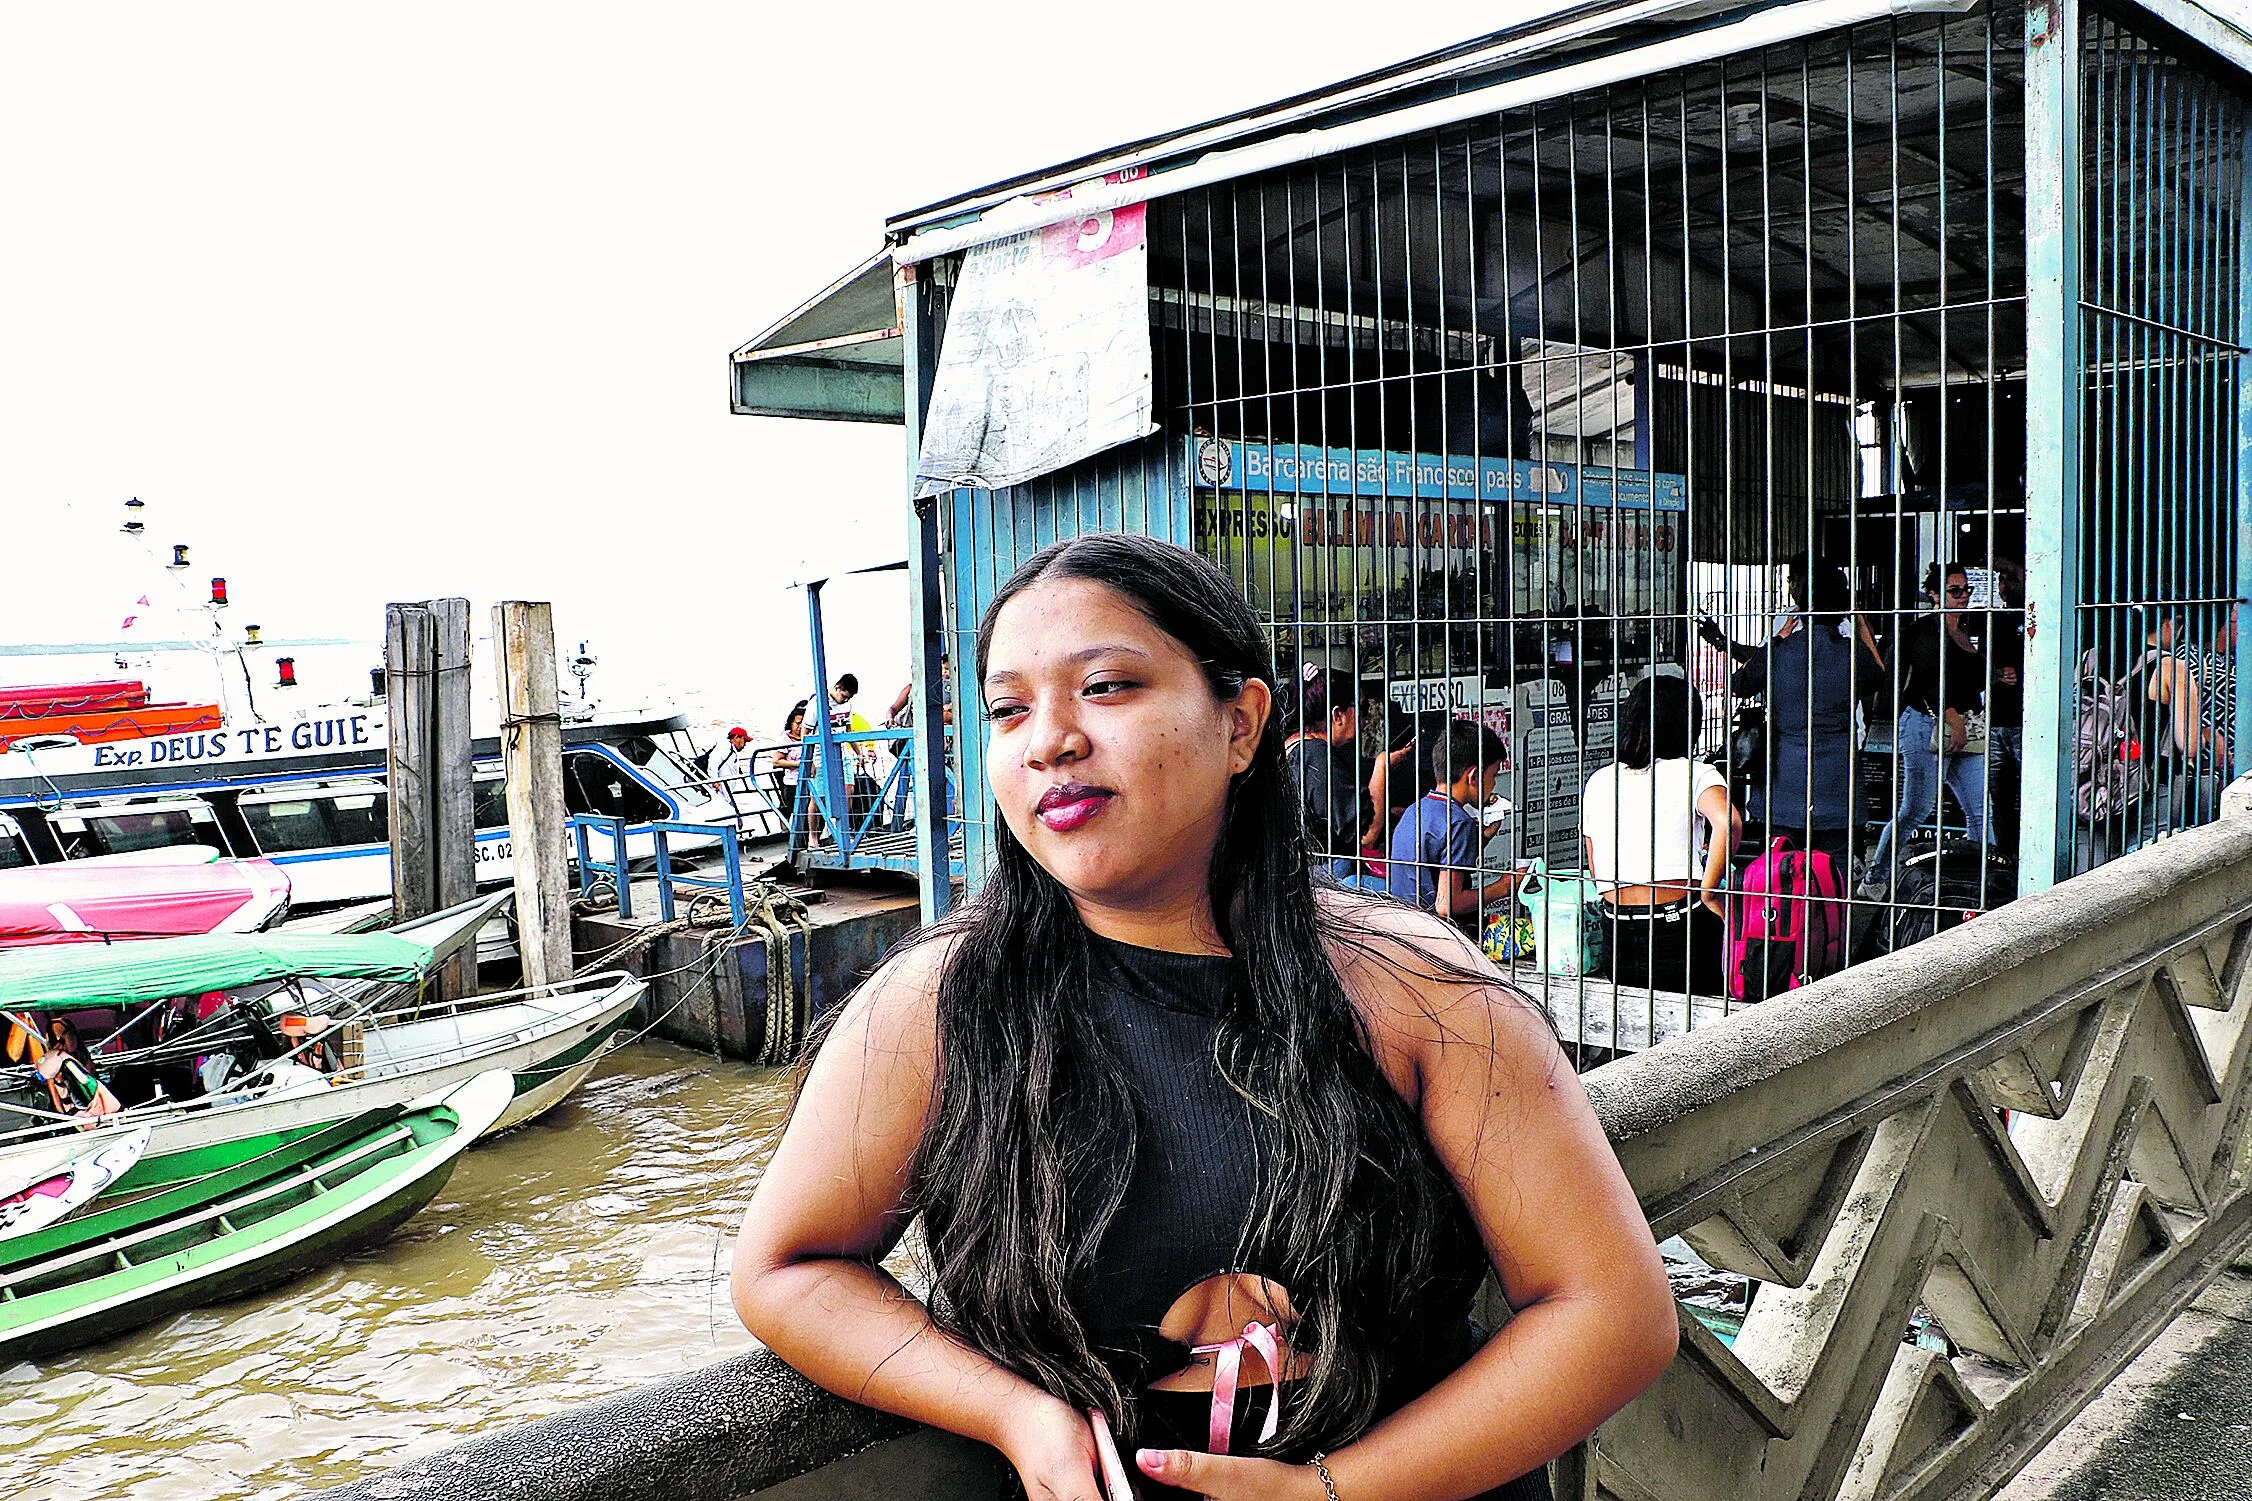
pixel 1791 922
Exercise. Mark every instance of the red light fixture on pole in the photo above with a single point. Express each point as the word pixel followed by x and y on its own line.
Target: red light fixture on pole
pixel 219 591
pixel 288 669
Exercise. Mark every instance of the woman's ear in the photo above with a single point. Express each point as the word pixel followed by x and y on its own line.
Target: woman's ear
pixel 1248 713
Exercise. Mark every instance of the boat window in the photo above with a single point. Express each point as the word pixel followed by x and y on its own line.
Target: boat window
pixel 661 764
pixel 281 828
pixel 155 828
pixel 318 822
pixel 15 850
pixel 489 803
pixel 596 784
pixel 361 817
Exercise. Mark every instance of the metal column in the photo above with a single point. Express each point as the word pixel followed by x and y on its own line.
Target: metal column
pixel 2053 383
pixel 926 616
pixel 2240 240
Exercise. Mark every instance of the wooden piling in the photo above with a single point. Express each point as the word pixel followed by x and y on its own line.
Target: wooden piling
pixel 410 668
pixel 433 838
pixel 531 741
pixel 453 835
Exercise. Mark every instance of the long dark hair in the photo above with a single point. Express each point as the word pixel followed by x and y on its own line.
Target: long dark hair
pixel 1659 722
pixel 1354 1211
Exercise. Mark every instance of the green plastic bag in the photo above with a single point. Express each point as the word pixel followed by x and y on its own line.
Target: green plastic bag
pixel 1567 930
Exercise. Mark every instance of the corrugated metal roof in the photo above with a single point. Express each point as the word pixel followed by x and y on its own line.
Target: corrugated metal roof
pixel 1589 23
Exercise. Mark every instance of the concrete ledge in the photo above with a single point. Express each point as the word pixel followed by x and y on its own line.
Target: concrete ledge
pixel 732 1429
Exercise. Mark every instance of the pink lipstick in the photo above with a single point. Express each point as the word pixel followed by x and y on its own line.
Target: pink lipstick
pixel 1066 807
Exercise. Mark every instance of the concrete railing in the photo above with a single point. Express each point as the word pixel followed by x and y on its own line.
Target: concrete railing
pixel 1844 1147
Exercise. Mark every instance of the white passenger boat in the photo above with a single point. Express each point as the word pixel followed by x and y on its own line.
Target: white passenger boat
pixel 307 793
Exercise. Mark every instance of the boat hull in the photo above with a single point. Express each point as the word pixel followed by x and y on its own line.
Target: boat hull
pixel 546 1063
pixel 313 1234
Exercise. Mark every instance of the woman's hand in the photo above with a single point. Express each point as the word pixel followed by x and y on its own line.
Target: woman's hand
pixel 1957 734
pixel 1053 1450
pixel 1227 1477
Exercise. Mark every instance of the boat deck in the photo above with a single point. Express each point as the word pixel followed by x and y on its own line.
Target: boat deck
pixel 889 849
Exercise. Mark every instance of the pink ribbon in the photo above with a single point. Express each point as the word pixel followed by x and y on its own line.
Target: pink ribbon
pixel 1262 1339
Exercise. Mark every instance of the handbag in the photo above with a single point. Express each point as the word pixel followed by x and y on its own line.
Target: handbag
pixel 1974 735
pixel 1567 929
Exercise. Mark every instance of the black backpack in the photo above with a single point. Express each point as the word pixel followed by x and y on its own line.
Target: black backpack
pixel 1946 887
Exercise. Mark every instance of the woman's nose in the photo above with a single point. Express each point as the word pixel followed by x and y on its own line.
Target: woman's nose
pixel 1056 737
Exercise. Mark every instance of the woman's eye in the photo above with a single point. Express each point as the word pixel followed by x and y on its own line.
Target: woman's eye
pixel 1003 711
pixel 1108 684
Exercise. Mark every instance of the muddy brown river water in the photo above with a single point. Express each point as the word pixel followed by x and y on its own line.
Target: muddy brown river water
pixel 576 1257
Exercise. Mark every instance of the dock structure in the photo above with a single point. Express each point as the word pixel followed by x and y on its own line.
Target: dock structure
pixel 753 991
pixel 1488 375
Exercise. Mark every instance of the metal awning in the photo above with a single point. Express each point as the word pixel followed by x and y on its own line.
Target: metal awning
pixel 837 355
pixel 1583 47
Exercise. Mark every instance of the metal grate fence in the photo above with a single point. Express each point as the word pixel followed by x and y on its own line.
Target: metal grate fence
pixel 1676 434
pixel 1521 423
pixel 2163 346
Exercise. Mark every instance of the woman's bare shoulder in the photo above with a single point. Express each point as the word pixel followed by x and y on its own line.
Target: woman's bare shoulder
pixel 897 1005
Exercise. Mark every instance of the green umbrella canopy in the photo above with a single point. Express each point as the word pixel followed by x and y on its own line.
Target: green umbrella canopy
pixel 60 976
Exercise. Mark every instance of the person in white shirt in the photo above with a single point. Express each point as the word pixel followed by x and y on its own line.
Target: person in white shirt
pixel 1659 828
pixel 733 770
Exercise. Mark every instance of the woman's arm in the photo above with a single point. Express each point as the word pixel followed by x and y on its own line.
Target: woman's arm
pixel 1595 1321
pixel 1379 779
pixel 2175 686
pixel 806 1279
pixel 1727 827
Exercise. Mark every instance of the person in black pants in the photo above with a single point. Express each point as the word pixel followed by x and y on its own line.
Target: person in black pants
pixel 1803 791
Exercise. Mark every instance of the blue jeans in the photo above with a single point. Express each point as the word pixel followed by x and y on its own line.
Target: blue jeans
pixel 1919 786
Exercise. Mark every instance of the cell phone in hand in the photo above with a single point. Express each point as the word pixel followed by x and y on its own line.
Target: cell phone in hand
pixel 1117 1485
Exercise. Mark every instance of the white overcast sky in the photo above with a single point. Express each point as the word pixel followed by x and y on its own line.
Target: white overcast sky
pixel 386 302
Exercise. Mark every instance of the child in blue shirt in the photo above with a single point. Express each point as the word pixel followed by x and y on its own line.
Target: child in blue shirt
pixel 1435 845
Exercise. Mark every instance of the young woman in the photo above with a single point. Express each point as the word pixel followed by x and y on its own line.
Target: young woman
pixel 789 766
pixel 1659 829
pixel 1175 1125
pixel 1322 756
pixel 2198 684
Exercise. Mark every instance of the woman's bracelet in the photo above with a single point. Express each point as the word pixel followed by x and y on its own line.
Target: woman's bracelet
pixel 1320 1462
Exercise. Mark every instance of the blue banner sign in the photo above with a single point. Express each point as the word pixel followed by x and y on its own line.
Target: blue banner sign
pixel 1300 469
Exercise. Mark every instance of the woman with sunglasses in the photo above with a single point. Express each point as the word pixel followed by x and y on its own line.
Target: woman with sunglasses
pixel 1942 668
pixel 1204 1156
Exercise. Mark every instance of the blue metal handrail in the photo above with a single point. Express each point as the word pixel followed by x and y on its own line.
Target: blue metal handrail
pixel 830 795
pixel 668 878
pixel 614 868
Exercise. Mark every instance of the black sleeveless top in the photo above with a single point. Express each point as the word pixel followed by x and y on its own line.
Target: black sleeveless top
pixel 1199 1152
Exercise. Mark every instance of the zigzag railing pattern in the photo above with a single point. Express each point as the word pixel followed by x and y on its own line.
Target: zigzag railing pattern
pixel 2026 1138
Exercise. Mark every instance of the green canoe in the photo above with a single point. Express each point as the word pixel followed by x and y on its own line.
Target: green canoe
pixel 241 1230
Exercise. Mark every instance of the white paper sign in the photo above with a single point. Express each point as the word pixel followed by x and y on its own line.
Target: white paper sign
pixel 1046 358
